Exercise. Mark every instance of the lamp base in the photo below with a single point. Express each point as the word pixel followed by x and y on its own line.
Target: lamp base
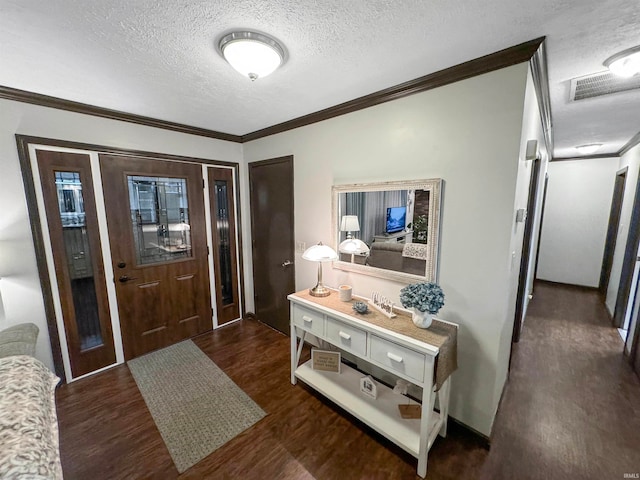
pixel 319 291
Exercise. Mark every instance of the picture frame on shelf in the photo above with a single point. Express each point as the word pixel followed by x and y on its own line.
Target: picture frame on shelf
pixel 326 360
pixel 368 387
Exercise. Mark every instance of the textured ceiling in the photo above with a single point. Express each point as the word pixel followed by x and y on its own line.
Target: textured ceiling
pixel 158 58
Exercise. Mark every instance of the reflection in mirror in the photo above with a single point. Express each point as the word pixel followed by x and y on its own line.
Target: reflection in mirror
pixel 388 229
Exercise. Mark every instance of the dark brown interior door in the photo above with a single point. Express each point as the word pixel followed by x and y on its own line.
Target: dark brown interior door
pixel 635 348
pixel 525 260
pixel 223 228
pixel 628 262
pixel 70 206
pixel 612 231
pixel 155 217
pixel 271 189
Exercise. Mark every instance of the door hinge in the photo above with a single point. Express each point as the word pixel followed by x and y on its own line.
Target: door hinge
pixel 208 252
pixel 203 183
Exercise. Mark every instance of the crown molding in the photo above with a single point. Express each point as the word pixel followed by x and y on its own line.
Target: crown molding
pixel 540 77
pixel 77 107
pixel 488 63
pixel 635 140
pixel 587 157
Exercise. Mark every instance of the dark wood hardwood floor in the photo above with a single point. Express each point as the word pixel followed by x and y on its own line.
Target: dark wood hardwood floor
pixel 570 410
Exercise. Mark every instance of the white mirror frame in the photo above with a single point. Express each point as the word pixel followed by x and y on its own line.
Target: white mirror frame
pixel 434 186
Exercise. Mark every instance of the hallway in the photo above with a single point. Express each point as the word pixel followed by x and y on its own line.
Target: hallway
pixel 571 408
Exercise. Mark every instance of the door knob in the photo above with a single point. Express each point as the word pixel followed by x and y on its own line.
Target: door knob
pixel 125 279
pixel 286 263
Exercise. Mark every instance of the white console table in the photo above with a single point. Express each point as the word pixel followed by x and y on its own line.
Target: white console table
pixel 394 345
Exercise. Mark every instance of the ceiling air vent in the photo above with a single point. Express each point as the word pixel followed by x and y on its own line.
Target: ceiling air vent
pixel 602 83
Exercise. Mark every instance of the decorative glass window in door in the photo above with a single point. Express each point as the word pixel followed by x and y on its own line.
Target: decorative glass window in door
pixel 160 218
pixel 224 241
pixel 79 260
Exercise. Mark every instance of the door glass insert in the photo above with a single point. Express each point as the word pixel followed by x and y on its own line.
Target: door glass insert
pixel 79 260
pixel 224 241
pixel 159 218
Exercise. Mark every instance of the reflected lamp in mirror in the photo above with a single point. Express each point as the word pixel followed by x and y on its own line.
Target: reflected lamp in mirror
pixel 320 253
pixel 349 223
pixel 353 246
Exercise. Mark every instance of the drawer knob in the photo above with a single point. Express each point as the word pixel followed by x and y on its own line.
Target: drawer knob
pixel 307 319
pixel 394 357
pixel 346 336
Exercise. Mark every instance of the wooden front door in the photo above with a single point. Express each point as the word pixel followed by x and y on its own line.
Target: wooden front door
pixel 69 200
pixel 156 222
pixel 271 189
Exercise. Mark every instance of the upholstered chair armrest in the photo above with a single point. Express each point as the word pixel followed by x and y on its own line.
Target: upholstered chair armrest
pixel 19 340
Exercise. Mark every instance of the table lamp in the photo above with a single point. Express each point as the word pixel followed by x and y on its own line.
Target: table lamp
pixel 349 223
pixel 320 253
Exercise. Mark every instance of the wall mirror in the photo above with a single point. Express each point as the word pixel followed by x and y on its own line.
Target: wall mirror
pixel 388 229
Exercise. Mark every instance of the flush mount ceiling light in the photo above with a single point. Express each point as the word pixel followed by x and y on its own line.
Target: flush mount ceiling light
pixel 254 55
pixel 626 63
pixel 588 149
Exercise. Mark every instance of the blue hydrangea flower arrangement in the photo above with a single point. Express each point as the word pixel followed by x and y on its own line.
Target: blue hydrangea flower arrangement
pixel 425 296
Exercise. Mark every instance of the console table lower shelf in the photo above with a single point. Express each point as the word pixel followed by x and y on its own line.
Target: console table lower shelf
pixel 381 413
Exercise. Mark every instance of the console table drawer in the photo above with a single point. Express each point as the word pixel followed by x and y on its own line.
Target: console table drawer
pixel 308 319
pixel 398 358
pixel 344 336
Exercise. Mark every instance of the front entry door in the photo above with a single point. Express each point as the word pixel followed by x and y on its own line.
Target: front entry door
pixel 271 189
pixel 156 222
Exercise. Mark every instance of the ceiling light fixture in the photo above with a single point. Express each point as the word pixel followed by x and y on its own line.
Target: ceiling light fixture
pixel 254 55
pixel 588 149
pixel 626 63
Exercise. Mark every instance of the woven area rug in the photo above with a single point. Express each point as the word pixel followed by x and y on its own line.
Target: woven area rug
pixel 196 407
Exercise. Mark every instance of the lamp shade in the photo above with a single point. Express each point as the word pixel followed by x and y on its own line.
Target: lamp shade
pixel 254 55
pixel 320 253
pixel 349 223
pixel 353 246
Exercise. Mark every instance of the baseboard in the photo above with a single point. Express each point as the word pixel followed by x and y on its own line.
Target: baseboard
pixel 562 284
pixel 482 438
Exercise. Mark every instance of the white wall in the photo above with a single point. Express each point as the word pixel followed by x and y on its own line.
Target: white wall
pixel 631 159
pixel 469 134
pixel 532 129
pixel 20 292
pixel 576 218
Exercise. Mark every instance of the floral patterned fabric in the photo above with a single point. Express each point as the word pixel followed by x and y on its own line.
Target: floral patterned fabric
pixel 28 422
